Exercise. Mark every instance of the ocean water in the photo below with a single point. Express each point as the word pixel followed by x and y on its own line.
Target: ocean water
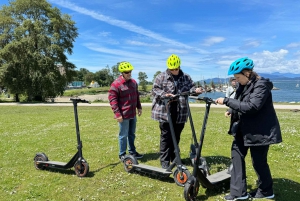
pixel 287 91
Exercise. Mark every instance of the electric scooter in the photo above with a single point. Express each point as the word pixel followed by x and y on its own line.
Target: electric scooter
pixel 81 167
pixel 201 174
pixel 181 174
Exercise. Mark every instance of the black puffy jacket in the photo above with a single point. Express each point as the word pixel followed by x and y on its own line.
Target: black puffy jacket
pixel 258 120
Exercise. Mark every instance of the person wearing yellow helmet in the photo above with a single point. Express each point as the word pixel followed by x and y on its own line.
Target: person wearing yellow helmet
pixel 168 83
pixel 124 99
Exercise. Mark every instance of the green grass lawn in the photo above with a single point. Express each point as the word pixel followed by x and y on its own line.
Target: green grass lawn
pixel 51 129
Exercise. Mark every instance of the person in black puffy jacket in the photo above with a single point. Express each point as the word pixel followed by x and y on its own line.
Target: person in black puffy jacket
pixel 255 126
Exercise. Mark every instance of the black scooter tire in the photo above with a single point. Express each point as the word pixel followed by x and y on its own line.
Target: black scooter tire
pixel 81 168
pixel 181 181
pixel 128 162
pixel 191 189
pixel 39 157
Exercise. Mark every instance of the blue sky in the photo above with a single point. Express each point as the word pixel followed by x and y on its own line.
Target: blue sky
pixel 208 35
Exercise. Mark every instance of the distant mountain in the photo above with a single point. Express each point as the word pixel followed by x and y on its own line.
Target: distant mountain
pixel 281 76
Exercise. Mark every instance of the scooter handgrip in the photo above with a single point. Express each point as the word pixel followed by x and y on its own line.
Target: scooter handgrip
pixel 194 97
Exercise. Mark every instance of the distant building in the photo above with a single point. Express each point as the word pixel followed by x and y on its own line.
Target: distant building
pixel 76 85
pixel 94 84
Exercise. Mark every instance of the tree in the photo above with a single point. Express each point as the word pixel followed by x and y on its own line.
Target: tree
pixel 115 71
pixel 157 72
pixel 81 74
pixel 89 77
pixel 104 77
pixel 142 80
pixel 34 38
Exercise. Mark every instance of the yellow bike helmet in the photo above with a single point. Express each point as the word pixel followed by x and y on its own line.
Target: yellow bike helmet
pixel 125 66
pixel 173 62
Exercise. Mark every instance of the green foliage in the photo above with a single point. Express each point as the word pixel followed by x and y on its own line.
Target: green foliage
pixel 145 99
pixel 28 130
pixel 154 76
pixel 143 80
pixel 90 91
pixel 104 77
pixel 34 38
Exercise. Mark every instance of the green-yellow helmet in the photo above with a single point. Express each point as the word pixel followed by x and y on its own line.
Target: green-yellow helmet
pixel 173 62
pixel 125 66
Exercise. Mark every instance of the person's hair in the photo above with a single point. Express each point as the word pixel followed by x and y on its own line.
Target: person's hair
pixel 252 74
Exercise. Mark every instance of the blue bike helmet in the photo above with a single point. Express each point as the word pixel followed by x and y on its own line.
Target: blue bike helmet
pixel 239 65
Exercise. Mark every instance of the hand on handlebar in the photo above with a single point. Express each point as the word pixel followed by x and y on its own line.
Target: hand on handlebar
pixel 220 101
pixel 199 90
pixel 169 95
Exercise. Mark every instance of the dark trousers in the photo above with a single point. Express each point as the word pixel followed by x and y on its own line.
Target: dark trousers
pixel 166 144
pixel 238 183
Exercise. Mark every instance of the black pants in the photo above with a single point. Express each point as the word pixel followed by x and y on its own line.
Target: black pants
pixel 166 144
pixel 238 183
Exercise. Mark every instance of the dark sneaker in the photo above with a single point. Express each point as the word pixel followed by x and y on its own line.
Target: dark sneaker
pixel 232 198
pixel 165 165
pixel 121 157
pixel 258 195
pixel 137 155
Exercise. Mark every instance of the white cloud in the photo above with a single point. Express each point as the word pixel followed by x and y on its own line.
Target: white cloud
pixel 270 62
pixel 138 43
pixel 213 40
pixel 175 51
pixel 252 43
pixel 104 34
pixel 119 23
pixel 293 45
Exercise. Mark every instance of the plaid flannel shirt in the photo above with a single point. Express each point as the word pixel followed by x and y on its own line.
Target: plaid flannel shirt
pixel 124 98
pixel 164 84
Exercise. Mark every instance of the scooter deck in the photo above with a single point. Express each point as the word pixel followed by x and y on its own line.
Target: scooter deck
pixel 148 168
pixel 53 163
pixel 219 176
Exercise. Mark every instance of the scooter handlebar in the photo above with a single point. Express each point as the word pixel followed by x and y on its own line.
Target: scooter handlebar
pixel 79 100
pixel 205 99
pixel 185 93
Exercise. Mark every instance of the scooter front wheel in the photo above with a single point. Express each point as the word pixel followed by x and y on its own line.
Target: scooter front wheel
pixel 39 157
pixel 181 179
pixel 81 168
pixel 191 189
pixel 129 161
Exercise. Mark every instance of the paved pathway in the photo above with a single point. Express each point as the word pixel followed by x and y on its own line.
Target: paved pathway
pixel 65 101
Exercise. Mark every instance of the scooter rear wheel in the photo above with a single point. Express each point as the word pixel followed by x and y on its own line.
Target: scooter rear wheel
pixel 128 162
pixel 39 157
pixel 191 189
pixel 181 180
pixel 81 168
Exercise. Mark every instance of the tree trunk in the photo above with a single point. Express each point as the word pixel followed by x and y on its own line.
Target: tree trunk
pixel 17 99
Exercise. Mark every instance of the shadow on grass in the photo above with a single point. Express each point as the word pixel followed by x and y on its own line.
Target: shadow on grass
pixel 218 189
pixel 166 179
pixel 211 161
pixel 149 157
pixel 67 171
pixel 284 189
pixel 218 162
pixel 112 165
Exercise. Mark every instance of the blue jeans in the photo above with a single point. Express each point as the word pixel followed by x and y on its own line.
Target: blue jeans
pixel 127 130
